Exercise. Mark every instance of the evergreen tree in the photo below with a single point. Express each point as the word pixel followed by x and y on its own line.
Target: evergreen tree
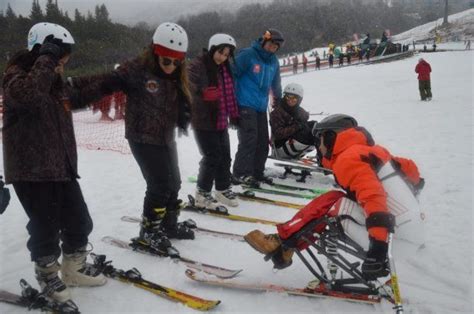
pixel 36 14
pixel 10 15
pixel 53 14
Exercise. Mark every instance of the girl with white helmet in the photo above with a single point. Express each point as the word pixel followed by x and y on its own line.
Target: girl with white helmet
pixel 40 160
pixel 156 86
pixel 213 106
pixel 291 130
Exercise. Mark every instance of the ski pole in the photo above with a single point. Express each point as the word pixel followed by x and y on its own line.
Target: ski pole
pixel 394 278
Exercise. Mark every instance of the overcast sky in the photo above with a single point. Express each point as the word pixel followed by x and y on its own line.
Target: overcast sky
pixel 133 11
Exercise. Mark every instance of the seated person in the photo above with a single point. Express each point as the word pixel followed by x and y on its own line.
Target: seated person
pixel 379 187
pixel 291 130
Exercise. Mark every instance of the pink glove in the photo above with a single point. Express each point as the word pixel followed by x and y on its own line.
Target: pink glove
pixel 211 93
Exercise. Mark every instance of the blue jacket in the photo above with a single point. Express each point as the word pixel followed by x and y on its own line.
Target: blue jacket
pixel 256 71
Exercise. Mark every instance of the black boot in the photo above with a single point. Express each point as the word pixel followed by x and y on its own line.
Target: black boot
pixel 153 237
pixel 174 229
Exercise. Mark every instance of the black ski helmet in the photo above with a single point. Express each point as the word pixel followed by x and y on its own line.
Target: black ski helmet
pixel 335 122
pixel 330 126
pixel 273 35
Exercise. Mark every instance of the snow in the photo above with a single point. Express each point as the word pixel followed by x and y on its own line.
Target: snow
pixel 384 98
pixel 461 27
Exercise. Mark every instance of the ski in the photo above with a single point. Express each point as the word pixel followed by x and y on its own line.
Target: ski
pixel 207 268
pixel 250 196
pixel 32 299
pixel 311 193
pixel 303 166
pixel 319 291
pixel 222 212
pixel 134 277
pixel 214 233
pixel 277 192
pixel 297 188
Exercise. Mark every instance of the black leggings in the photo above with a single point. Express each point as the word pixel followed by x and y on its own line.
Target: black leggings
pixel 57 211
pixel 215 163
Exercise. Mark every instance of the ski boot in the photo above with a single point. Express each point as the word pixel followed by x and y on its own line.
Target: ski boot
pixel 204 199
pixel 153 239
pixel 174 229
pixel 227 197
pixel 264 179
pixel 77 272
pixel 46 271
pixel 249 181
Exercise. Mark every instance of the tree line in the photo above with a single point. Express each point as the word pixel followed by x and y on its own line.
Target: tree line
pixel 100 43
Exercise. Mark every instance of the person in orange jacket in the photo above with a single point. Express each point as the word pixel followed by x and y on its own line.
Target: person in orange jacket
pixel 350 152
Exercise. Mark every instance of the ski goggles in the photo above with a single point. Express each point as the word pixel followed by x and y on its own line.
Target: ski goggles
pixel 292 97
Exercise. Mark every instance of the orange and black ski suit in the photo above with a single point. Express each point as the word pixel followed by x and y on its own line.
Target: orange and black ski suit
pixel 355 161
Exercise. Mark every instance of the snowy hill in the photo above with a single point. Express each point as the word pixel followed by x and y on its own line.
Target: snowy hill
pixel 384 98
pixel 461 27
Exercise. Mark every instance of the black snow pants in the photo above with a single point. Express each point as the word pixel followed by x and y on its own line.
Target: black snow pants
pixel 57 211
pixel 253 147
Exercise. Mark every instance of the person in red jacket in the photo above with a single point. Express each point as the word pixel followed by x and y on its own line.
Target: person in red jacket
pixel 423 69
pixel 359 167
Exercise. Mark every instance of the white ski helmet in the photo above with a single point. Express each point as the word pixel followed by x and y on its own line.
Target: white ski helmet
pixel 170 40
pixel 295 89
pixel 221 39
pixel 40 31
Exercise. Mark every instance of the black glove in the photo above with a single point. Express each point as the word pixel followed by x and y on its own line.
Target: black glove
pixel 51 49
pixel 54 47
pixel 184 118
pixel 234 123
pixel 4 196
pixel 376 263
pixel 418 187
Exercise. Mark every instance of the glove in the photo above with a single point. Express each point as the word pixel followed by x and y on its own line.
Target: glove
pixel 4 196
pixel 376 264
pixel 234 123
pixel 52 46
pixel 211 93
pixel 418 187
pixel 184 118
pixel 52 50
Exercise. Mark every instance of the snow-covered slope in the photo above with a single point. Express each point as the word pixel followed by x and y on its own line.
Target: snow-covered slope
pixel 461 27
pixel 384 98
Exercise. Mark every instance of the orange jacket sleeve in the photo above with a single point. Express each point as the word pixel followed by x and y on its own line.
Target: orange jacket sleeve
pixel 409 169
pixel 358 177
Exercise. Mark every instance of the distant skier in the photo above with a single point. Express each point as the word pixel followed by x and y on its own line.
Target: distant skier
pixel 40 160
pixel 305 63
pixel 331 59
pixel 341 59
pixel 295 64
pixel 291 130
pixel 423 69
pixel 370 175
pixel 214 103
pixel 318 63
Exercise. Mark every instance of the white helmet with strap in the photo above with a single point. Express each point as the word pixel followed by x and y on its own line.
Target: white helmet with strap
pixel 40 31
pixel 221 39
pixel 170 40
pixel 295 89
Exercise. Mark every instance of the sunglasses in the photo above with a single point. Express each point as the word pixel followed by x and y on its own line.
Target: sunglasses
pixel 168 61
